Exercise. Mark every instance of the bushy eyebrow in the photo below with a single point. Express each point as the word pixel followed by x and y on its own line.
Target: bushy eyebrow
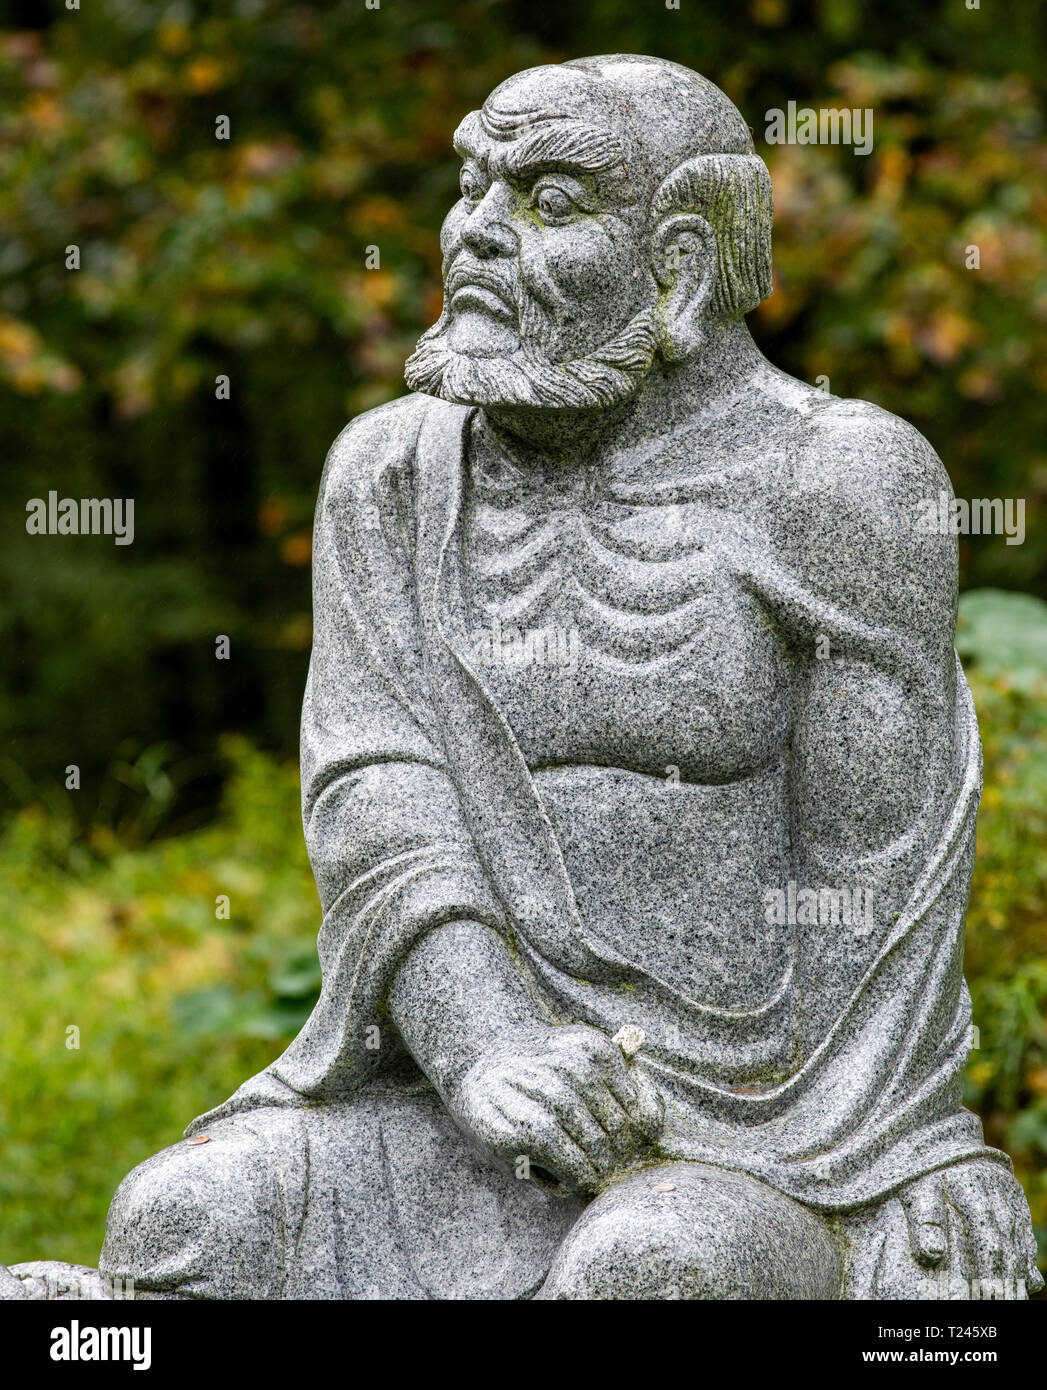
pixel 554 142
pixel 561 145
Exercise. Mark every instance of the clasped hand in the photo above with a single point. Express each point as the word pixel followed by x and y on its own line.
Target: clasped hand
pixel 564 1099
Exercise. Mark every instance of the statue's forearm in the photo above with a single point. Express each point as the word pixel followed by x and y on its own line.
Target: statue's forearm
pixel 457 995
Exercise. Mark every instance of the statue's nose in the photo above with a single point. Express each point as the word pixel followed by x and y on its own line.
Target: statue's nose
pixel 486 232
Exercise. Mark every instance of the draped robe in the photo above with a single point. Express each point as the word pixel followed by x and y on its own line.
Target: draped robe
pixel 420 809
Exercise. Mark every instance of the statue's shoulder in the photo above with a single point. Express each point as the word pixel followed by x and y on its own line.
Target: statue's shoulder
pixel 380 440
pixel 854 487
pixel 845 459
pixel 829 445
pixel 877 459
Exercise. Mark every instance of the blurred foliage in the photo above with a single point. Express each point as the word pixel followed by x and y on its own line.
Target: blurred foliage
pixel 246 258
pixel 1002 639
pixel 174 1005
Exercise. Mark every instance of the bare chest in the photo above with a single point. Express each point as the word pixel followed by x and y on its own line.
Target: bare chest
pixel 612 632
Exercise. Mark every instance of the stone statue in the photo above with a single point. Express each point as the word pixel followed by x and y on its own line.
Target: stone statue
pixel 639 782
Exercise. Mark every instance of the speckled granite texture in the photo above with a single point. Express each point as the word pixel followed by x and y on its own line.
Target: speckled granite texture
pixel 633 704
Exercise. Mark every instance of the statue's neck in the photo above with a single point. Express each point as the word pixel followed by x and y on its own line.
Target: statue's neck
pixel 727 363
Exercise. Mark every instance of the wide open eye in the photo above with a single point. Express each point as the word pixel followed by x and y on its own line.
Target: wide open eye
pixel 553 204
pixel 471 185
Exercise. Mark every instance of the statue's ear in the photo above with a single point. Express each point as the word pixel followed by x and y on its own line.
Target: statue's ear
pixel 684 261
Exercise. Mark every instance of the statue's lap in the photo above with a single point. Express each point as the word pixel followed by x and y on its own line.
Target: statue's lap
pixel 383 1198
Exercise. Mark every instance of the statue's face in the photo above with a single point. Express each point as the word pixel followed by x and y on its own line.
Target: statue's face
pixel 548 291
pixel 535 228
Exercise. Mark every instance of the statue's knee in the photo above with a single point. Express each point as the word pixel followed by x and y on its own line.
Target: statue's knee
pixel 625 1251
pixel 183 1220
pixel 686 1231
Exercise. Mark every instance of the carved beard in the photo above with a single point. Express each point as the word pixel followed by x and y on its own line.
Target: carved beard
pixel 527 377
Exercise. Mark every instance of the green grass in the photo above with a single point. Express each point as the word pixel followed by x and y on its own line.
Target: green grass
pixel 174 1007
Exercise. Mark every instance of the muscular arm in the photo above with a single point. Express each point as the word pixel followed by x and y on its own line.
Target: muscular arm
pixel 457 996
pixel 871 772
pixel 874 777
pixel 872 752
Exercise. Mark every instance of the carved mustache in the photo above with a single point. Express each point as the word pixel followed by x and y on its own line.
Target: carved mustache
pixel 537 307
pixel 474 274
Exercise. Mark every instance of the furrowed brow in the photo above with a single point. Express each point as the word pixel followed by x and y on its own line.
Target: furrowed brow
pixel 562 144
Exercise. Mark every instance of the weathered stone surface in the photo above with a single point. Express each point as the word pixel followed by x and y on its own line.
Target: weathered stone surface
pixel 639 783
pixel 54 1281
pixel 689 1231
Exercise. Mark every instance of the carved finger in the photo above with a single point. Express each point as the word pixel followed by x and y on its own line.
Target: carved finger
pixel 576 1119
pixel 543 1140
pixel 620 1080
pixel 590 1042
pixel 1010 1230
pixel 973 1194
pixel 924 1205
pixel 637 1095
pixel 1012 1220
pixel 1026 1253
pixel 617 1123
pixel 1003 1254
pixel 650 1113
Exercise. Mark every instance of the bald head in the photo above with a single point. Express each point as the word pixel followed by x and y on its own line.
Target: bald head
pixel 646 113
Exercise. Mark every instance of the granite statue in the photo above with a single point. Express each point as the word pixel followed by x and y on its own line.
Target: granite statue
pixel 639 780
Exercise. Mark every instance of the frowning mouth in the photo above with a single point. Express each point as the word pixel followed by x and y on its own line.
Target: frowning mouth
pixel 487 301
